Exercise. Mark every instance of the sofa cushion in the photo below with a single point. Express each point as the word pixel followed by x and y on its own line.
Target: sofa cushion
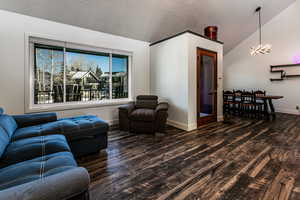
pixel 83 126
pixel 69 184
pixel 4 140
pixel 73 127
pixel 34 169
pixel 38 130
pixel 8 124
pixel 29 148
pixel 34 119
pixel 143 114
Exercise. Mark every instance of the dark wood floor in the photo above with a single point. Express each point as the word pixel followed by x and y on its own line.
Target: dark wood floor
pixel 247 159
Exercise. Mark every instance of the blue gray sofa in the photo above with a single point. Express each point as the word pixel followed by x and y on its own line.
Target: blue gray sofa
pixel 37 155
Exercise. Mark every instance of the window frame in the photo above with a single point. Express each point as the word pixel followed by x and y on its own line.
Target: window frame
pixel 30 107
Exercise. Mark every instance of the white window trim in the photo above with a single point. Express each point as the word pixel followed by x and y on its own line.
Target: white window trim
pixel 30 107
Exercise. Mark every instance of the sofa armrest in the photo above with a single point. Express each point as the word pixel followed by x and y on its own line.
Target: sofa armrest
pixel 127 108
pixel 162 107
pixel 34 119
pixel 124 112
pixel 161 112
pixel 64 185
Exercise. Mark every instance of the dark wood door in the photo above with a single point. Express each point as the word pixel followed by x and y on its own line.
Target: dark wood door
pixel 206 86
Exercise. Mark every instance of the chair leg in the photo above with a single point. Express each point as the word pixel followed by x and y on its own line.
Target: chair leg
pixel 240 109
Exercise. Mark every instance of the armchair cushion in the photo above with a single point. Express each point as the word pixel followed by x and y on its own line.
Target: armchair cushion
pixel 146 101
pixel 34 119
pixel 143 114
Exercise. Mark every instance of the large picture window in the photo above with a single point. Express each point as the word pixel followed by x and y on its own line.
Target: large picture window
pixel 63 74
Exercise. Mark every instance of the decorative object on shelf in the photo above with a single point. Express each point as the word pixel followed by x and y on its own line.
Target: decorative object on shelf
pixel 211 32
pixel 297 58
pixel 283 74
pixel 260 49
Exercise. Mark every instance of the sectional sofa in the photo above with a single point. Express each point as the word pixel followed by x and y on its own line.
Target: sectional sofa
pixel 37 155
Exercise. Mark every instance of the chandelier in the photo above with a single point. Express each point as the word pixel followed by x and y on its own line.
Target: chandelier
pixel 260 49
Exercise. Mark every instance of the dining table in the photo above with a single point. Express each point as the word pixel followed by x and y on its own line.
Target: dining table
pixel 268 103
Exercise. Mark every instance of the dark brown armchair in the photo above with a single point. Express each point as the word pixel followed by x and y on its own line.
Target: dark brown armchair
pixel 144 115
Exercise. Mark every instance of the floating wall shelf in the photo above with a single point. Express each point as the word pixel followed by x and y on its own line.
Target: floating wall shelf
pixel 283 74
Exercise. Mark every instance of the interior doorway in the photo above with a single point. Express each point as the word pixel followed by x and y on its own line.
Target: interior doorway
pixel 206 86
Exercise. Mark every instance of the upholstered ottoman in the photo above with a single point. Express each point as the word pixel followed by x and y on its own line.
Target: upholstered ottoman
pixel 85 134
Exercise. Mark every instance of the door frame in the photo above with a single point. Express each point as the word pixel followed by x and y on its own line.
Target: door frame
pixel 212 118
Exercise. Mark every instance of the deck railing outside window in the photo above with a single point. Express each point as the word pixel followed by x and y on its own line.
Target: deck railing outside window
pixel 46 97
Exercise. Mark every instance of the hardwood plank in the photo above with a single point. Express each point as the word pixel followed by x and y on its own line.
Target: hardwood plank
pixel 260 166
pixel 259 160
pixel 190 182
pixel 281 187
pixel 235 178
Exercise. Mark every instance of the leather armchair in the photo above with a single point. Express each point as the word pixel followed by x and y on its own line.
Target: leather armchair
pixel 145 115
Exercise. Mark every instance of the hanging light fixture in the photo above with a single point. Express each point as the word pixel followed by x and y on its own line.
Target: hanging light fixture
pixel 260 49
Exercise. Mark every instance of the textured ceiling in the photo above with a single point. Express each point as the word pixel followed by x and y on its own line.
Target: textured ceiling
pixel 151 20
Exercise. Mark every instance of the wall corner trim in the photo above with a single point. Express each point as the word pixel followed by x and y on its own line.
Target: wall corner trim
pixel 220 118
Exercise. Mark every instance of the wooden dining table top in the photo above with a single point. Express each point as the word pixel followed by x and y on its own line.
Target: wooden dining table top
pixel 262 96
pixel 269 97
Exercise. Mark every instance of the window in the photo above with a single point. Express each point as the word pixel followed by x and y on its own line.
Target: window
pixel 48 74
pixel 66 73
pixel 119 76
pixel 87 75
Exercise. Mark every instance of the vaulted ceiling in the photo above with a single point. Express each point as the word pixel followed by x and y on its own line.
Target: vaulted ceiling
pixel 151 20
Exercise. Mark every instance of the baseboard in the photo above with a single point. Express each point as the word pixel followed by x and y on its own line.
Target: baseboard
pixel 288 111
pixel 188 127
pixel 177 124
pixel 182 126
pixel 113 122
pixel 220 118
pixel 192 127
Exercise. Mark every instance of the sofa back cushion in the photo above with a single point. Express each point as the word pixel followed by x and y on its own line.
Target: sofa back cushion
pixel 8 124
pixel 4 140
pixel 146 101
pixel 26 120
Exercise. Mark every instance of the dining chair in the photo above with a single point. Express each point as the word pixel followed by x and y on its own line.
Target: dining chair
pixel 228 102
pixel 259 104
pixel 247 103
pixel 238 100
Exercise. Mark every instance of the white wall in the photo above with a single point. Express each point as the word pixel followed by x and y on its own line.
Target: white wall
pixel 174 76
pixel 14 26
pixel 194 42
pixel 247 72
pixel 168 77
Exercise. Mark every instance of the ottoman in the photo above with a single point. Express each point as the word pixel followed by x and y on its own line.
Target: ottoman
pixel 85 134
